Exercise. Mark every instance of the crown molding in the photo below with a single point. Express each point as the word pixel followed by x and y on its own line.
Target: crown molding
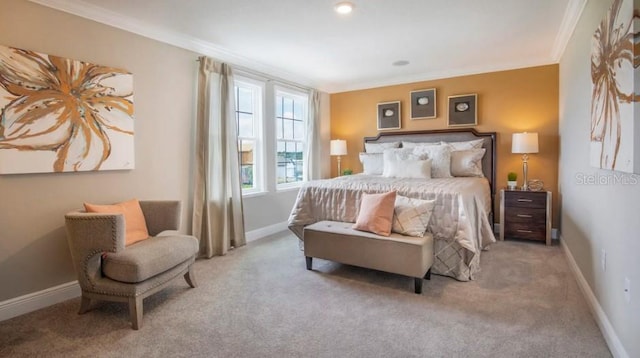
pixel 436 75
pixel 133 25
pixel 569 22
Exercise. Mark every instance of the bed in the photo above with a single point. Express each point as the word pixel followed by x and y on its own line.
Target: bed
pixel 462 219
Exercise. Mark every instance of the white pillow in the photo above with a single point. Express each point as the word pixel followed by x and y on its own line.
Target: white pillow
pixel 472 144
pixel 397 168
pixel 411 216
pixel 415 144
pixel 467 163
pixel 440 156
pixel 372 164
pixel 380 147
pixel 402 154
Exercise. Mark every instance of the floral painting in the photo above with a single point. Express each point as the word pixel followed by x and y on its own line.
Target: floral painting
pixel 63 115
pixel 615 132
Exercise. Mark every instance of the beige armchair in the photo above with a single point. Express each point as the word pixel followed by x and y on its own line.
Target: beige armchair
pixel 107 270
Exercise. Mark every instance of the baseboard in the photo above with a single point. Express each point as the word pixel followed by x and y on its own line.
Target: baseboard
pixel 266 231
pixel 34 301
pixel 554 232
pixel 615 346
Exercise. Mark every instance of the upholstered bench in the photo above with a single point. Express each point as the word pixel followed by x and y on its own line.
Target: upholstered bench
pixel 399 254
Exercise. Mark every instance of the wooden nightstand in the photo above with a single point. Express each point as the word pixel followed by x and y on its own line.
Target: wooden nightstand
pixel 525 215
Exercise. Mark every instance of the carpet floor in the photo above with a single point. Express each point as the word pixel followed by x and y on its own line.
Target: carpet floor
pixel 260 301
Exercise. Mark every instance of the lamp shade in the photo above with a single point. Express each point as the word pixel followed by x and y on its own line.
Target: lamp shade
pixel 338 147
pixel 524 143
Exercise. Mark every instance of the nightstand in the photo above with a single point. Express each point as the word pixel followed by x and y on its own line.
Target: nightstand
pixel 525 215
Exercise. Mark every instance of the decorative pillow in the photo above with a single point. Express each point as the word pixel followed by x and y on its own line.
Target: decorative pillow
pixel 472 144
pixel 376 213
pixel 440 156
pixel 135 224
pixel 411 216
pixel 403 154
pixel 416 144
pixel 397 168
pixel 467 163
pixel 380 147
pixel 372 164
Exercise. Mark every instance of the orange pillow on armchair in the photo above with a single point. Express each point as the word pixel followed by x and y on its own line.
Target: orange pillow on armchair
pixel 135 224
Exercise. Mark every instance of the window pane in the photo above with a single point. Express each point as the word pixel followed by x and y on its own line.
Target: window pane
pixel 297 110
pixel 245 100
pixel 298 130
pixel 281 163
pixel 279 128
pixel 245 125
pixel 247 163
pixel 288 129
pixel 287 108
pixel 279 106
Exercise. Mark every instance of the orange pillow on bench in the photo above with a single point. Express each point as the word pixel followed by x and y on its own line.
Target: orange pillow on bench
pixel 135 224
pixel 376 213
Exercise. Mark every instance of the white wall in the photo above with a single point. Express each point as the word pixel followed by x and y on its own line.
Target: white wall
pixel 597 217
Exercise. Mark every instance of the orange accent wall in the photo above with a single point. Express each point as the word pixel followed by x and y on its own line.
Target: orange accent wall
pixel 508 101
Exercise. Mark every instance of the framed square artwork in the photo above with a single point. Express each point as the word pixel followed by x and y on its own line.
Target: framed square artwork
pixel 463 110
pixel 423 104
pixel 389 115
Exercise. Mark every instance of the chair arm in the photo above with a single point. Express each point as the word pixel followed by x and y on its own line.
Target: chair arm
pixel 161 215
pixel 91 232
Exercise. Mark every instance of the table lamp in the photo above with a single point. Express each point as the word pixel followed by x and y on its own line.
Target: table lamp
pixel 339 148
pixel 524 143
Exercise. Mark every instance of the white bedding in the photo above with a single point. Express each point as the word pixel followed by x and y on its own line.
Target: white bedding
pixel 459 223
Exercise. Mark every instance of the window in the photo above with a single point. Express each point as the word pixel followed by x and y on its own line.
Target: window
pixel 248 96
pixel 291 123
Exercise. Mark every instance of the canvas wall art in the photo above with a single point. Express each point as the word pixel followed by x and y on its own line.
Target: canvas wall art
pixel 63 115
pixel 615 130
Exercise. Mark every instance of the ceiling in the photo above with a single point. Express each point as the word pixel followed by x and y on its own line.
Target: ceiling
pixel 307 42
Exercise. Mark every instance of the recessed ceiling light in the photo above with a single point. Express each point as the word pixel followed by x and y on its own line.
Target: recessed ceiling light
pixel 344 7
pixel 401 63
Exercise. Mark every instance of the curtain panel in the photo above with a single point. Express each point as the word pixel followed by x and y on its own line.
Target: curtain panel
pixel 217 203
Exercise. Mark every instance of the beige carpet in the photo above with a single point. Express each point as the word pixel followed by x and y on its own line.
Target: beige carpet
pixel 260 301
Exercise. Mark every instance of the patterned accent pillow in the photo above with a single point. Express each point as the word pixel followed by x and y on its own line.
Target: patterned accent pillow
pixel 411 216
pixel 417 144
pixel 372 163
pixel 440 156
pixel 471 144
pixel 380 147
pixel 467 163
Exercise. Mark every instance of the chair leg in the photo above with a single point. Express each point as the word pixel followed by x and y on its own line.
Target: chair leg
pixel 85 303
pixel 309 261
pixel 190 278
pixel 135 312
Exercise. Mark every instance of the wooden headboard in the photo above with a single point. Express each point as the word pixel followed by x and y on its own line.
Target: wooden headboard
pixel 450 135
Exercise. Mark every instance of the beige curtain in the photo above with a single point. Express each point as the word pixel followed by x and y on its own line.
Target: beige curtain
pixel 217 201
pixel 312 159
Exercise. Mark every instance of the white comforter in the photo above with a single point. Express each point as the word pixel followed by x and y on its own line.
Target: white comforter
pixel 459 223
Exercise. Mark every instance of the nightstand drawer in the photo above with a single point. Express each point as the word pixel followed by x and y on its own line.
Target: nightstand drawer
pixel 523 231
pixel 526 199
pixel 535 217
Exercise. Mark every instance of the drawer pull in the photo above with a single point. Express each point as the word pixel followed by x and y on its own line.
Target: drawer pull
pixel 524 216
pixel 527 231
pixel 525 200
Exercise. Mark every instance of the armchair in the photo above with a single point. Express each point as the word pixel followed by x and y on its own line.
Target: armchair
pixel 107 270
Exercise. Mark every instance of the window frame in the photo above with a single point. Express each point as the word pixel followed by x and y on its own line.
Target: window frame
pixel 258 89
pixel 303 97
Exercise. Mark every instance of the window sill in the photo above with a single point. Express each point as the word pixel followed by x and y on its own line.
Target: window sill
pixel 289 188
pixel 254 194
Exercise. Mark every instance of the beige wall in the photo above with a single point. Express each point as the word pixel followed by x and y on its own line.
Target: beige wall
pixel 508 101
pixel 597 217
pixel 33 251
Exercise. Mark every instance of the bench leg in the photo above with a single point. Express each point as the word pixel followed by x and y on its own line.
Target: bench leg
pixel 418 284
pixel 428 274
pixel 309 260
